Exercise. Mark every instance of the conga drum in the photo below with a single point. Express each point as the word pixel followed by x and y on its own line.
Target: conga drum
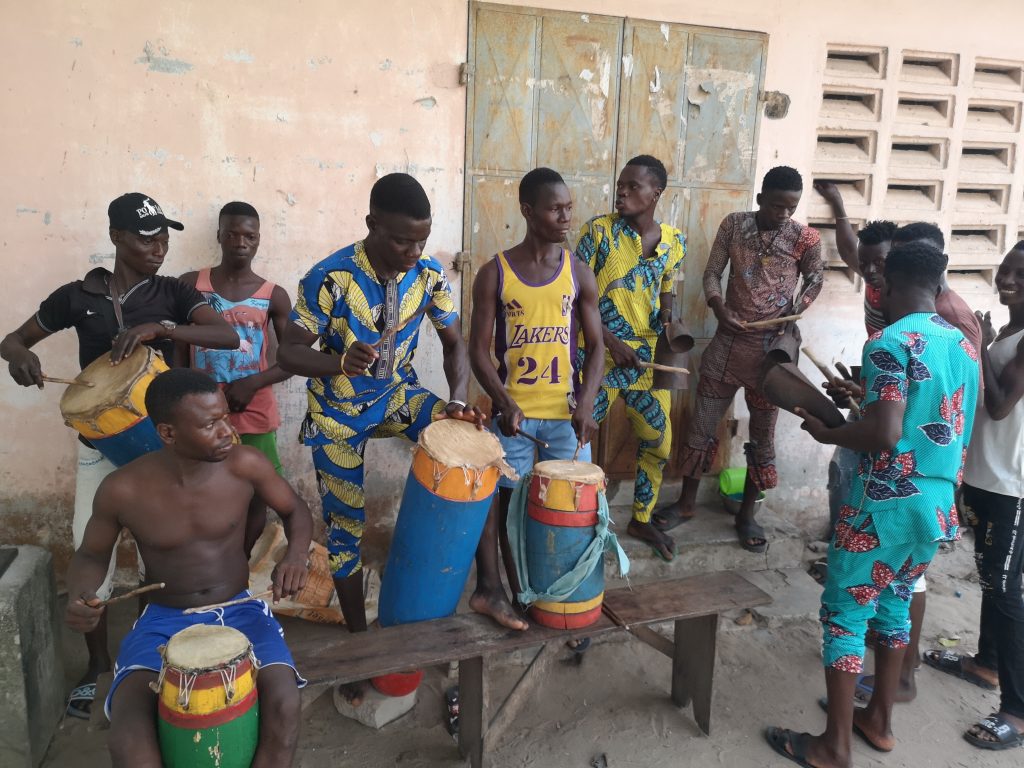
pixel 455 468
pixel 111 414
pixel 560 522
pixel 207 705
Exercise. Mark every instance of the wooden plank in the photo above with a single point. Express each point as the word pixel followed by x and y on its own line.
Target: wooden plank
pixel 471 710
pixel 520 694
pixel 693 666
pixel 657 641
pixel 330 654
pixel 685 598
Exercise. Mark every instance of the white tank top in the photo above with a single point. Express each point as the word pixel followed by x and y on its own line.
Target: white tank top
pixel 995 456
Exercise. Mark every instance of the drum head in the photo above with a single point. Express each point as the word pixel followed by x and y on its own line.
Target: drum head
pixel 112 383
pixel 205 646
pixel 457 443
pixel 573 471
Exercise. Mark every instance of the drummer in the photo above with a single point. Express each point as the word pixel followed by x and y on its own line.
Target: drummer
pixel 362 384
pixel 151 310
pixel 767 253
pixel 186 505
pixel 538 296
pixel 635 259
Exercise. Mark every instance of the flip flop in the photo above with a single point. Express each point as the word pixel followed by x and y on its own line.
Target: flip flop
pixel 953 664
pixel 751 530
pixel 451 701
pixel 1006 734
pixel 666 523
pixel 780 738
pixel 85 694
pixel 823 703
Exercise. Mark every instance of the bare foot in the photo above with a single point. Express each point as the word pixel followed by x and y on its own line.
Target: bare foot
pixel 874 733
pixel 353 693
pixel 905 692
pixel 493 603
pixel 663 544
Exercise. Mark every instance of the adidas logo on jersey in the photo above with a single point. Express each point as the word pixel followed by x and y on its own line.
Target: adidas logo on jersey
pixel 514 309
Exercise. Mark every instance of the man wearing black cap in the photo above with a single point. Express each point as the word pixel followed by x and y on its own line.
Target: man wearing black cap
pixel 114 312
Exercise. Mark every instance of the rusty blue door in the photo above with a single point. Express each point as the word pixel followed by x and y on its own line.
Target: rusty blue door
pixel 583 93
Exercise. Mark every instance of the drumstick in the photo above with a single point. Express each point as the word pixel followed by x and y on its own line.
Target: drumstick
pixel 392 332
pixel 773 321
pixel 229 603
pixel 576 453
pixel 611 614
pixel 58 380
pixel 830 376
pixel 133 593
pixel 534 438
pixel 660 367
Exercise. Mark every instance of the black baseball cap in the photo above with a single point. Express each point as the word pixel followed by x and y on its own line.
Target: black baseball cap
pixel 139 213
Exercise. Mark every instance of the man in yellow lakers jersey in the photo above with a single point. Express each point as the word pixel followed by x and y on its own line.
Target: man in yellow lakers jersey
pixel 533 300
pixel 635 259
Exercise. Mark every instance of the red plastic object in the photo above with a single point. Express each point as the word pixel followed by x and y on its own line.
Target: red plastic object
pixel 398 683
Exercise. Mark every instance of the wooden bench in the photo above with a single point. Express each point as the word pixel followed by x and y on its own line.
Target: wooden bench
pixel 327 655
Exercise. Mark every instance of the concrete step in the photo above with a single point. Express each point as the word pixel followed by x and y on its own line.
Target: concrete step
pixel 707 543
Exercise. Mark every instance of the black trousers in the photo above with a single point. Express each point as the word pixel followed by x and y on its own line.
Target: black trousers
pixel 998 523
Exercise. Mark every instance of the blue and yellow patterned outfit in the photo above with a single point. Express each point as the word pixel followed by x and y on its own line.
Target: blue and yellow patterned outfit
pixel 342 301
pixel 901 504
pixel 629 286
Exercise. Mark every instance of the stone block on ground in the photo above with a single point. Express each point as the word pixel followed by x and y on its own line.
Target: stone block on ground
pixel 796 596
pixel 31 670
pixel 376 710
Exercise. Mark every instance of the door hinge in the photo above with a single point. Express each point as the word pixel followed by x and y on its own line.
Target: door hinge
pixel 465 73
pixel 463 261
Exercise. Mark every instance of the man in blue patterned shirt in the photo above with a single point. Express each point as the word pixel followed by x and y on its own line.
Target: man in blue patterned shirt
pixel 919 385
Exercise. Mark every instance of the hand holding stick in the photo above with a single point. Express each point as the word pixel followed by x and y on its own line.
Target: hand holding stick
pixel 830 377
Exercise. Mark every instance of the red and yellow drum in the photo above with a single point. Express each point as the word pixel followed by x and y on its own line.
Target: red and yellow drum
pixel 208 707
pixel 111 414
pixel 561 517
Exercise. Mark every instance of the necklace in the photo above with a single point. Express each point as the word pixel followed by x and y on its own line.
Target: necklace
pixel 764 251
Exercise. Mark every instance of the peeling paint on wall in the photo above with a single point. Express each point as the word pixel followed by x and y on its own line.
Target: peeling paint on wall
pixel 427 102
pixel 162 62
pixel 240 56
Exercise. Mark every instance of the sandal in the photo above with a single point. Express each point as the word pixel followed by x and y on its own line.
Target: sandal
pixel 781 738
pixel 86 695
pixel 953 664
pixel 1006 734
pixel 751 530
pixel 451 700
pixel 665 521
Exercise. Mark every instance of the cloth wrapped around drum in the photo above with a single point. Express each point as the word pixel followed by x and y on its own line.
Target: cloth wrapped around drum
pixel 558 529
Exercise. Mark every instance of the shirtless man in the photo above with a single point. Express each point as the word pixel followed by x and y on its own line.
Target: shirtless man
pixel 186 506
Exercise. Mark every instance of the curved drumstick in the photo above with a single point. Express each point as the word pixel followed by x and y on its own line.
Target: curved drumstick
pixel 390 333
pixel 229 603
pixel 133 593
pixel 773 321
pixel 829 375
pixel 73 382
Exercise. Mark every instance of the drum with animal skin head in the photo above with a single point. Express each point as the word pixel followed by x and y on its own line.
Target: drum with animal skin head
pixel 207 703
pixel 561 516
pixel 111 414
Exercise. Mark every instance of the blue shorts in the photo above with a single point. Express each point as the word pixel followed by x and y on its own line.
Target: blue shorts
pixel 156 625
pixel 521 453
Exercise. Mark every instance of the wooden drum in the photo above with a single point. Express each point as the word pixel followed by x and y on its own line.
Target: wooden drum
pixel 111 414
pixel 208 707
pixel 561 516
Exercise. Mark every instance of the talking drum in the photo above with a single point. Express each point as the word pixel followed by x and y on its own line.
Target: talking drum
pixel 455 468
pixel 561 518
pixel 111 414
pixel 207 705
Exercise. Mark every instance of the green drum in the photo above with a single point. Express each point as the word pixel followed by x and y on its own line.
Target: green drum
pixel 208 707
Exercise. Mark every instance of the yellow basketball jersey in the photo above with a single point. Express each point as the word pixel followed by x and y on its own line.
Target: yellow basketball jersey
pixel 535 340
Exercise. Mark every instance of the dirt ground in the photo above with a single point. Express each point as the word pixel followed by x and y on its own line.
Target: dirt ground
pixel 616 705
